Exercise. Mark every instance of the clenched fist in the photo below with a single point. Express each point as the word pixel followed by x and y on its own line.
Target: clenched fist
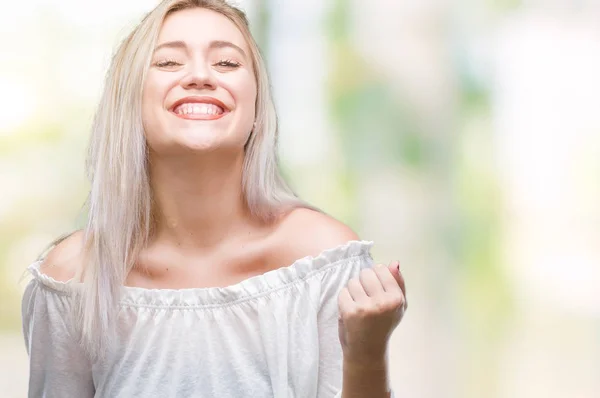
pixel 370 307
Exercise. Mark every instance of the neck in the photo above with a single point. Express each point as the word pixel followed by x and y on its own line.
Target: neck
pixel 198 203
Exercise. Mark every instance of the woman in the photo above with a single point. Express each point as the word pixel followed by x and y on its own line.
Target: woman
pixel 199 273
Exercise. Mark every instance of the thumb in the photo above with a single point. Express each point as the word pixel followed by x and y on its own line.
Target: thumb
pixel 394 268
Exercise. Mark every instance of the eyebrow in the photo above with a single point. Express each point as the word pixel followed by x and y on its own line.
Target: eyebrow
pixel 213 44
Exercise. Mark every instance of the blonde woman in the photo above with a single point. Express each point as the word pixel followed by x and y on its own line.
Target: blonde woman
pixel 199 273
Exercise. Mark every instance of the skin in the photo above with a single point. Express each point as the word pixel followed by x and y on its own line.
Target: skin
pixel 370 308
pixel 196 165
pixel 204 234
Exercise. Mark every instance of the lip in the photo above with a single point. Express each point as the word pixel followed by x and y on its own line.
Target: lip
pixel 200 100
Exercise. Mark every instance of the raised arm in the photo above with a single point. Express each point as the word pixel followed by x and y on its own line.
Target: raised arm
pixel 340 375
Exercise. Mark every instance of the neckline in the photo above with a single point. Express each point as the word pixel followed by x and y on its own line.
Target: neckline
pixel 207 297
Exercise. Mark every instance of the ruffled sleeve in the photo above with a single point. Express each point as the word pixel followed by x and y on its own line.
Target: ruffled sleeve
pixel 57 365
pixel 330 350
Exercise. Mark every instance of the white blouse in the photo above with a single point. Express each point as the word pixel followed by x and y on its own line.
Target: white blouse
pixel 271 335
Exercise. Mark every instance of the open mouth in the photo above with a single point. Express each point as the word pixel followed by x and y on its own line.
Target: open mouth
pixel 199 108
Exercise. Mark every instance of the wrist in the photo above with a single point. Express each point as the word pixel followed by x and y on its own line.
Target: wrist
pixel 365 378
pixel 365 364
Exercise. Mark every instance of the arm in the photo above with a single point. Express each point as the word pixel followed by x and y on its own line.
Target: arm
pixel 335 371
pixel 365 380
pixel 58 367
pixel 370 306
pixel 340 376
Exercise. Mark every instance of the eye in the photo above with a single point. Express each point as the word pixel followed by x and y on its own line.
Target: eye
pixel 166 64
pixel 228 63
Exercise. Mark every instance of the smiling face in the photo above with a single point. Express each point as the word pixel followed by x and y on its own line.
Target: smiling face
pixel 200 90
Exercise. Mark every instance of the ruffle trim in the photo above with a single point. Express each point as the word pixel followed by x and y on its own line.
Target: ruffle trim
pixel 252 287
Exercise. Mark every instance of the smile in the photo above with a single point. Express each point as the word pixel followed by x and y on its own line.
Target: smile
pixel 199 111
pixel 199 108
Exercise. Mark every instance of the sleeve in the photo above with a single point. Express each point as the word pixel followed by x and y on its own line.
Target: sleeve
pixel 330 350
pixel 58 367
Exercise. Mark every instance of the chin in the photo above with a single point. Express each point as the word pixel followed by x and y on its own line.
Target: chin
pixel 201 144
pixel 211 141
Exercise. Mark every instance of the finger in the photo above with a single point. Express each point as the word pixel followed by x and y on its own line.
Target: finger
pixel 370 282
pixel 395 270
pixel 356 290
pixel 387 279
pixel 345 301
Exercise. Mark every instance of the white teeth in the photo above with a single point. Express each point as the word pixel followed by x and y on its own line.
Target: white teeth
pixel 198 109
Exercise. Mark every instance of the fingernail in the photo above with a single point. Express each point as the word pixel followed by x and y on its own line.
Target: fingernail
pixel 398 265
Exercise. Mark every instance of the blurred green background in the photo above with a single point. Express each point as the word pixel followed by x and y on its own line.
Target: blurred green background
pixel 462 137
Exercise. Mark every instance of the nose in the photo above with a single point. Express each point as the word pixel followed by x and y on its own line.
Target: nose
pixel 199 76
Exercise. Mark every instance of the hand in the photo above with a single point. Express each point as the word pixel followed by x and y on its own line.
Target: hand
pixel 370 307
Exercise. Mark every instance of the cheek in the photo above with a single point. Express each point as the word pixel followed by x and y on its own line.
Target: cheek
pixel 152 98
pixel 251 90
pixel 246 92
pixel 150 93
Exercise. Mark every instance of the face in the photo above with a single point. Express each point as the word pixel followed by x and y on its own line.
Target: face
pixel 200 91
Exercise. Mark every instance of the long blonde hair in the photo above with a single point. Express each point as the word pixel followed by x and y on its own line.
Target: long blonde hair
pixel 119 204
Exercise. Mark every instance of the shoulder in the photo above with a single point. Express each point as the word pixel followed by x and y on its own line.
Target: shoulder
pixel 305 232
pixel 65 258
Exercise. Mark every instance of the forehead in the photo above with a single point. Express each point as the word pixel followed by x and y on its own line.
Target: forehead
pixel 197 26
